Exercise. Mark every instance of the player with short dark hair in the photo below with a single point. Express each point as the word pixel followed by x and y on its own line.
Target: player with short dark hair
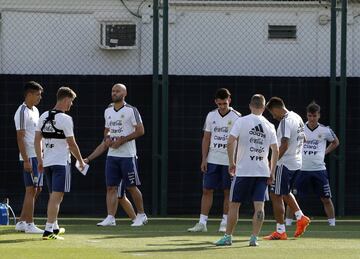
pixel 313 170
pixel 26 119
pixel 214 164
pixel 290 134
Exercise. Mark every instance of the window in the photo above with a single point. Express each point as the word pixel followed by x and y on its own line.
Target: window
pixel 281 32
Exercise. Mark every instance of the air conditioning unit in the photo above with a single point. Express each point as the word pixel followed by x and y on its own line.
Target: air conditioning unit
pixel 118 35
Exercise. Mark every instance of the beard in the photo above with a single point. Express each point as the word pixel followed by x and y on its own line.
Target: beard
pixel 117 99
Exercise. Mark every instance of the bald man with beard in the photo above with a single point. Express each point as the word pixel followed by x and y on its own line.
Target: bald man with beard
pixel 123 125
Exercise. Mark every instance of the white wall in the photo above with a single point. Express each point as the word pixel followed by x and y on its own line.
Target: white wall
pixel 63 39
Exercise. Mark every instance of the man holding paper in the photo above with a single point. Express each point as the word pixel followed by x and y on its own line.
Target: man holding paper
pixel 55 128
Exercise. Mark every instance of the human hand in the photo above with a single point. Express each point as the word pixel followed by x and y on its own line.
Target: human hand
pixel 27 166
pixel 118 142
pixel 203 166
pixel 232 168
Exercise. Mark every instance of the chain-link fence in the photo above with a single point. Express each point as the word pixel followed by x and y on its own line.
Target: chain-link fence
pixel 271 47
pixel 76 37
pixel 89 46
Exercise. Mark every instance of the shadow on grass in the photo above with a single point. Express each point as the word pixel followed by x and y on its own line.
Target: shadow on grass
pixel 23 240
pixel 192 244
pixel 342 231
pixel 185 247
pixel 10 231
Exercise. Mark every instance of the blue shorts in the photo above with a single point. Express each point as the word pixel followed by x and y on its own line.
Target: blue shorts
pixel 121 190
pixel 284 180
pixel 217 176
pixel 119 169
pixel 58 178
pixel 245 189
pixel 318 180
pixel 30 178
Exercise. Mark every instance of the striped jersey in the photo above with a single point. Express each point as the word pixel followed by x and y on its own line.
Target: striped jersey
pixel 121 123
pixel 315 146
pixel 219 126
pixel 292 128
pixel 27 119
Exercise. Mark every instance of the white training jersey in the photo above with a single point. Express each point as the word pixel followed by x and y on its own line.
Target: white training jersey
pixel 27 119
pixel 56 151
pixel 314 147
pixel 255 134
pixel 292 128
pixel 121 123
pixel 219 126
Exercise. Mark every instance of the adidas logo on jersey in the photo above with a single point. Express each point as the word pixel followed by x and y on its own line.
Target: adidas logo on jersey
pixel 258 131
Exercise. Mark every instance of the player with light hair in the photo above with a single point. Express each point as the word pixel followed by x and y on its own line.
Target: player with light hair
pixel 56 130
pixel 255 136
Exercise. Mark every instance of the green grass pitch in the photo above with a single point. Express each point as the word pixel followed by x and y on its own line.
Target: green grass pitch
pixel 167 238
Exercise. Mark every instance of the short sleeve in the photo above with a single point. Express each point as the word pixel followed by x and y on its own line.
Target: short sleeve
pixel 207 125
pixel 235 131
pixel 19 118
pixel 106 120
pixel 135 118
pixel 68 126
pixel 330 135
pixel 284 129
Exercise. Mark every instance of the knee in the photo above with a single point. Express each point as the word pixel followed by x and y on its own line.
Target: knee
pixel 326 201
pixel 30 191
pixel 112 189
pixel 207 192
pixel 275 198
pixel 259 215
pixel 38 190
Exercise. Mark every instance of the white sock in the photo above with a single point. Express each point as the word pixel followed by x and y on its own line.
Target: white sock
pixel 203 219
pixel 49 227
pixel 280 228
pixel 298 214
pixel 56 225
pixel 331 222
pixel 142 214
pixel 224 218
pixel 288 221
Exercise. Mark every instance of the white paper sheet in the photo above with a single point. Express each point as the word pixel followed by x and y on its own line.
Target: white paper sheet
pixel 84 171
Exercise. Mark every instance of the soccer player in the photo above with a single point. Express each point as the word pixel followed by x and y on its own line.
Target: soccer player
pixel 215 163
pixel 290 134
pixel 121 195
pixel 55 128
pixel 313 170
pixel 26 119
pixel 255 136
pixel 123 125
